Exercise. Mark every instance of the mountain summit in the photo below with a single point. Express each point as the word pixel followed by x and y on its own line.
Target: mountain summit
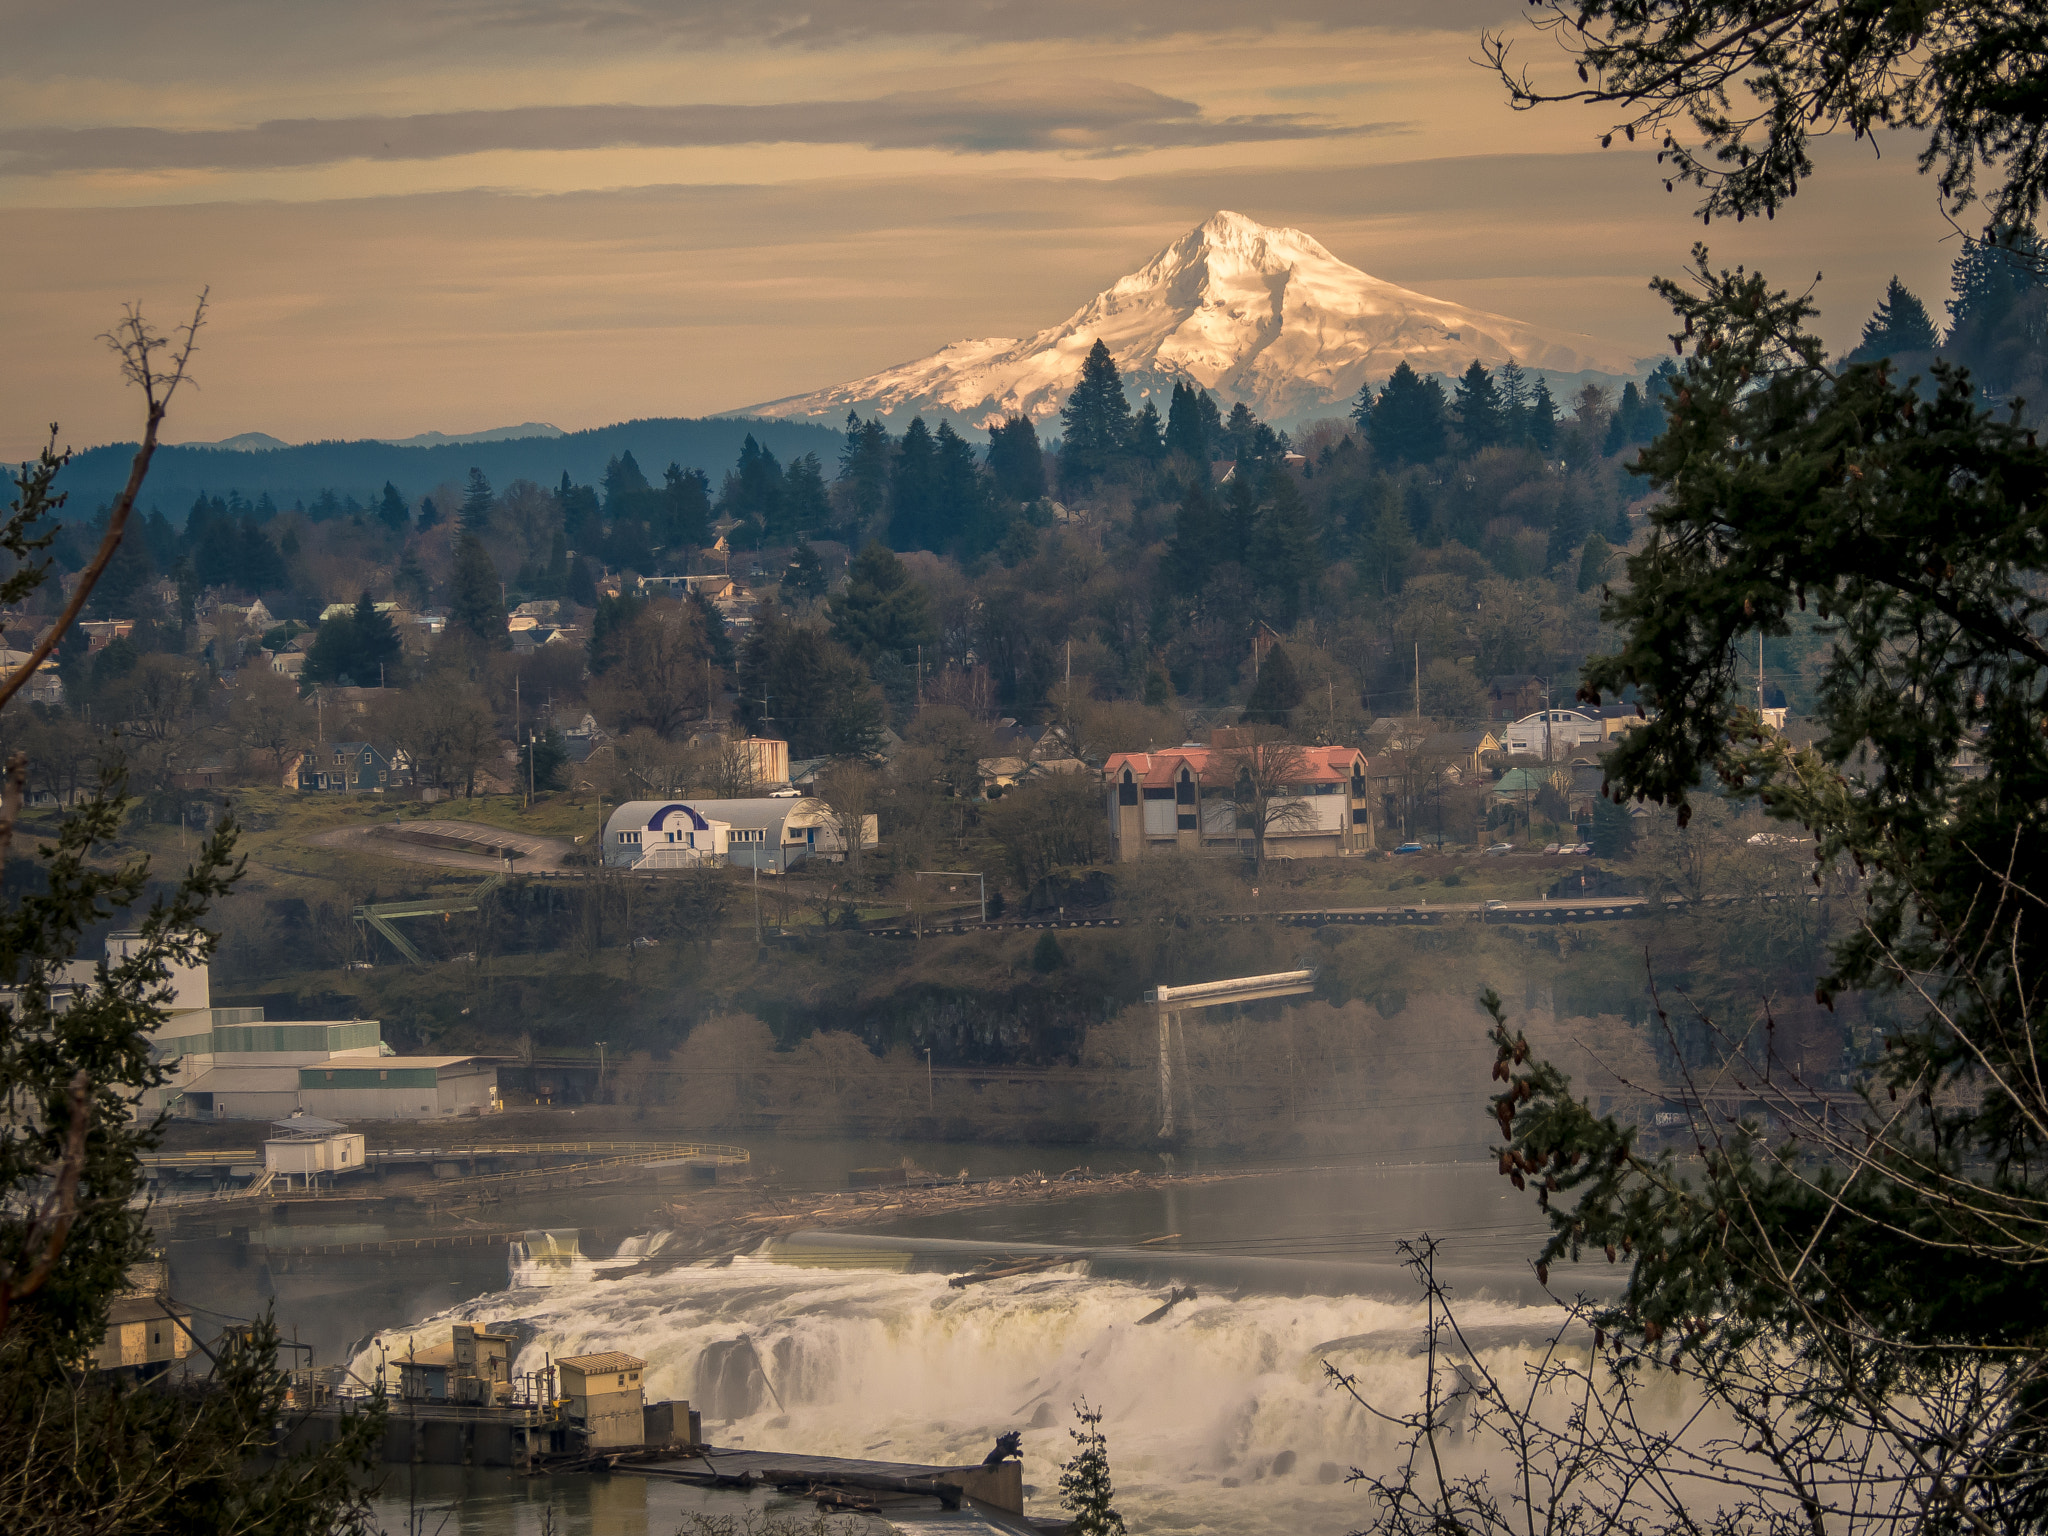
pixel 1253 313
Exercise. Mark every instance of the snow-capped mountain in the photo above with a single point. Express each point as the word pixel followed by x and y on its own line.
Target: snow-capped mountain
pixel 1257 314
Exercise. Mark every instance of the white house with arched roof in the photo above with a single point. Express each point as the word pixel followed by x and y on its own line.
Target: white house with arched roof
pixel 773 833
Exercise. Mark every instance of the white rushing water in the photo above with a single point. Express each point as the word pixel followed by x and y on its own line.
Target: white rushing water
pixel 1219 1416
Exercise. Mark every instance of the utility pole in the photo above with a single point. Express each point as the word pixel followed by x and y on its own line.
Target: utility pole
pixel 929 1101
pixel 1418 680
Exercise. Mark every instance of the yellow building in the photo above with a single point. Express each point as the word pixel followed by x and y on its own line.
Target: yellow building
pixel 602 1397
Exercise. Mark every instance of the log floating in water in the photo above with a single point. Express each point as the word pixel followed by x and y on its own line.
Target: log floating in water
pixel 1173 1299
pixel 1005 1272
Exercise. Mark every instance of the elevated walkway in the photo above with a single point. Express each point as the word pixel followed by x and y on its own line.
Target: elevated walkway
pixel 379 916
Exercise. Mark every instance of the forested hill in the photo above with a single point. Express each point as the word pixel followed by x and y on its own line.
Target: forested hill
pixel 178 475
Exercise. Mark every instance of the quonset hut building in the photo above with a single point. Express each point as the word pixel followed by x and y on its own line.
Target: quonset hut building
pixel 773 834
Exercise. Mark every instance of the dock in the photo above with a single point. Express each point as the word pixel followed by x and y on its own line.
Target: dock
pixel 844 1483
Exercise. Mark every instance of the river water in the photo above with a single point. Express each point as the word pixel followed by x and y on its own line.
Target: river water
pixel 1220 1415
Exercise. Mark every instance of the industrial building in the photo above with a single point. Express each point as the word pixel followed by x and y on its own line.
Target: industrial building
pixel 602 1397
pixel 233 1064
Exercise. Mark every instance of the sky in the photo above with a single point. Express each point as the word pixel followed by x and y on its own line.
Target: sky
pixel 454 215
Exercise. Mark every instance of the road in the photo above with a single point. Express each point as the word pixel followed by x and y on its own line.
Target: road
pixel 406 842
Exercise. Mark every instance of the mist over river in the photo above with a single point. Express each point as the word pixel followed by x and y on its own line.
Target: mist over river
pixel 1219 1415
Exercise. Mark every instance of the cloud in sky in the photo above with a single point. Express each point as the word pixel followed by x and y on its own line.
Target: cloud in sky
pixel 1079 117
pixel 454 214
pixel 832 23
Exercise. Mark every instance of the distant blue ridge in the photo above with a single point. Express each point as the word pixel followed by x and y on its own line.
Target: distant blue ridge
pixel 179 474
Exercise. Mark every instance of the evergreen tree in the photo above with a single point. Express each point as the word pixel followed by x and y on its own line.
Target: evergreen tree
pixel 1361 411
pixel 377 647
pixel 1211 417
pixel 1086 1490
pixel 1276 693
pixel 1900 327
pixel 819 698
pixel 1478 409
pixel 1240 441
pixel 1282 551
pixel 1187 433
pixel 1614 830
pixel 864 465
pixel 582 583
pixel 1200 539
pixel 881 611
pixel 124 584
pixel 1622 426
pixel 1594 560
pixel 914 507
pixel 1513 385
pixel 752 492
pixel 1998 319
pixel 476 503
pixel 805 507
pixel 964 520
pixel 411 580
pixel 1543 417
pixel 582 517
pixel 1147 443
pixel 1408 419
pixel 476 600
pixel 1097 422
pixel 262 566
pixel 392 511
pixel 803 580
pixel 544 761
pixel 608 627
pixel 623 480
pixel 1386 545
pixel 1046 955
pixel 685 517
pixel 430 515
pixel 711 626
pixel 1569 525
pixel 1016 460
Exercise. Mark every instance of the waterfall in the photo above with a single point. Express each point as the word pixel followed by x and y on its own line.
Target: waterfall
pixel 1219 1414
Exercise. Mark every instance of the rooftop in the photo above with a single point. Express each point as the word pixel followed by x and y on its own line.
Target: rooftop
pixel 597 1365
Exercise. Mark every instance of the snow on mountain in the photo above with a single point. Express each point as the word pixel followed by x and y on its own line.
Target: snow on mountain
pixel 1252 313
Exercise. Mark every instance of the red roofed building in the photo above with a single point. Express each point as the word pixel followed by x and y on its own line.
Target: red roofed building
pixel 1181 799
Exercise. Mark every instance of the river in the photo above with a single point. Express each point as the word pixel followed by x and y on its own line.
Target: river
pixel 1220 1416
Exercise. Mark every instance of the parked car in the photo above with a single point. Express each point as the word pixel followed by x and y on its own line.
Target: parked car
pixel 1580 848
pixel 1495 906
pixel 1552 848
pixel 643 942
pixel 359 965
pixel 1409 848
pixel 1500 848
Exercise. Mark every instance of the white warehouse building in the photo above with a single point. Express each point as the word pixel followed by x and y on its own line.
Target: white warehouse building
pixel 773 834
pixel 1552 733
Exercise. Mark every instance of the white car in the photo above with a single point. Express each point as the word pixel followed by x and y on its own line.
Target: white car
pixel 645 943
pixel 359 965
pixel 1501 848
